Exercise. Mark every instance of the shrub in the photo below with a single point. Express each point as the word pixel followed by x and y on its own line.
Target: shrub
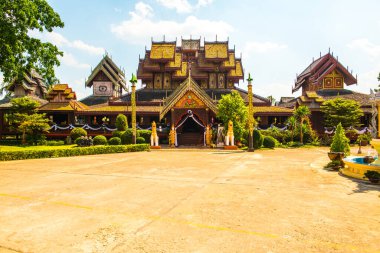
pixel 77 132
pixel 100 140
pixel 326 140
pixel 352 135
pixel 117 133
pixel 33 154
pixel 121 122
pixel 84 141
pixel 140 140
pixel 372 175
pixel 340 142
pixel 114 141
pixel 258 139
pixel 126 138
pixel 145 134
pixel 269 142
pixel 281 136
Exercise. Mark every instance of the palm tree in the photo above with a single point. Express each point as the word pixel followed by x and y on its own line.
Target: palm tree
pixel 292 122
pixel 301 113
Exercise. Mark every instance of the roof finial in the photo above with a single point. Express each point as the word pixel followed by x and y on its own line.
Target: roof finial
pixel 320 54
pixel 164 37
pixel 216 37
pixel 329 49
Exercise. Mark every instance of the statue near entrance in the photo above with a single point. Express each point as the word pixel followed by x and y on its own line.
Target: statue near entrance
pixel 154 136
pixel 172 136
pixel 230 139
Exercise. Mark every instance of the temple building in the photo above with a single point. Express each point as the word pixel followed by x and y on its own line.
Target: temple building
pixel 324 79
pixel 181 86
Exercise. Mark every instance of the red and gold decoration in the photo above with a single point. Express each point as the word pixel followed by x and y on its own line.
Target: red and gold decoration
pixel 133 102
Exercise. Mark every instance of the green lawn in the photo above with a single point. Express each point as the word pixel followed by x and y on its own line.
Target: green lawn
pixel 16 148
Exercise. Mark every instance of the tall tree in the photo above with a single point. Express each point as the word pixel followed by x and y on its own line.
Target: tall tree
pixel 340 110
pixel 301 114
pixel 19 52
pixel 292 123
pixel 232 107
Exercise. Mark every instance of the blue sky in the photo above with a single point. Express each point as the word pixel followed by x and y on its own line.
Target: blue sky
pixel 277 39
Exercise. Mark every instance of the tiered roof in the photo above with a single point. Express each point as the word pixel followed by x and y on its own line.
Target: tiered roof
pixel 61 92
pixel 320 68
pixel 212 57
pixel 62 98
pixel 31 81
pixel 110 69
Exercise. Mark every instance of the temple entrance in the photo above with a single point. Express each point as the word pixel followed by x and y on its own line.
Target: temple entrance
pixel 190 132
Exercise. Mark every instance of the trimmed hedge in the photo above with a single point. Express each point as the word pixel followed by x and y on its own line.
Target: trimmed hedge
pixel 126 138
pixel 76 151
pixel 114 141
pixel 100 140
pixel 117 133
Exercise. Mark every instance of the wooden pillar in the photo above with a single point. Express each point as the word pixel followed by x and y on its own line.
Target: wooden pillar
pixel 172 116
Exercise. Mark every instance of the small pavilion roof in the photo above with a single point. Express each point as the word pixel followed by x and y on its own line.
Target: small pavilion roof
pixel 321 67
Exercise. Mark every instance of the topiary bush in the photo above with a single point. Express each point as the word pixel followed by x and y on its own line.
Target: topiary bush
pixel 117 133
pixel 269 142
pixel 100 140
pixel 340 142
pixel 121 122
pixel 258 139
pixel 126 138
pixel 145 134
pixel 140 140
pixel 77 132
pixel 114 141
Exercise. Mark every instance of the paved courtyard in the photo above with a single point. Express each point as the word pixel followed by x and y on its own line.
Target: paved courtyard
pixel 186 201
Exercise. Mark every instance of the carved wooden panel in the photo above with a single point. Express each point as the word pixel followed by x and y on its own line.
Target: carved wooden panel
pixel 338 82
pixel 212 80
pixel 158 81
pixel 189 100
pixel 221 83
pixel 328 83
pixel 167 81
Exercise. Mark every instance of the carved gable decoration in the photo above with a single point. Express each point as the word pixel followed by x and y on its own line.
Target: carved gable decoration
pixel 190 100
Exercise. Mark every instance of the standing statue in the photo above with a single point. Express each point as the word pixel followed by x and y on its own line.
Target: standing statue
pixel 154 136
pixel 208 136
pixel 172 137
pixel 230 135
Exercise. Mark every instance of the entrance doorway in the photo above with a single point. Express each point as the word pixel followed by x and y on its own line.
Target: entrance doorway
pixel 190 133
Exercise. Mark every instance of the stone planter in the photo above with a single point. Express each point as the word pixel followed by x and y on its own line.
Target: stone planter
pixel 334 156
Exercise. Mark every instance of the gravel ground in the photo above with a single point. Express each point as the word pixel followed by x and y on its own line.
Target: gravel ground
pixel 186 201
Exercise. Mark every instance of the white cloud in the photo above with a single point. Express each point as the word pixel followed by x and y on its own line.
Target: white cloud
pixel 141 27
pixel 366 46
pixel 262 47
pixel 181 6
pixel 69 60
pixel 60 41
pixel 202 3
pixel 78 44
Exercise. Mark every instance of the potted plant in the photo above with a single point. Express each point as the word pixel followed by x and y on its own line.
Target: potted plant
pixel 340 145
pixel 364 139
pixel 373 176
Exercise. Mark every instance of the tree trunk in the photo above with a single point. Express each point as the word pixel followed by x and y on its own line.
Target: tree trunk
pixel 23 137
